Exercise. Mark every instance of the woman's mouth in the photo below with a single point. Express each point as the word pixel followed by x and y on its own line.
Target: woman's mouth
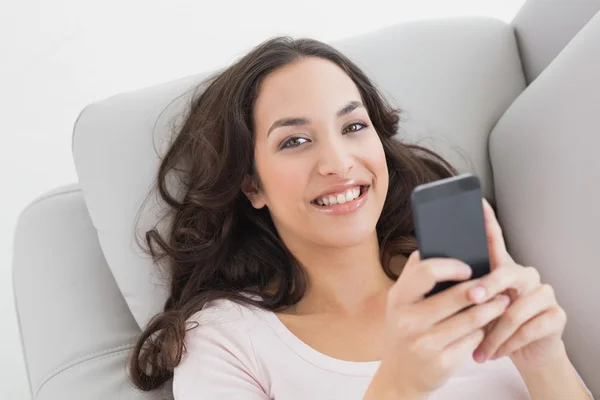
pixel 342 202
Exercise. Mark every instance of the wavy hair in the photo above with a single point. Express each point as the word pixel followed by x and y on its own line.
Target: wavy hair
pixel 217 245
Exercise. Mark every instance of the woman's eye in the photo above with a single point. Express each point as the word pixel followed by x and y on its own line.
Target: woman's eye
pixel 293 142
pixel 354 127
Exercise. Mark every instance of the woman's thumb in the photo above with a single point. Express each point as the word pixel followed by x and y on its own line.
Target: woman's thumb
pixel 414 257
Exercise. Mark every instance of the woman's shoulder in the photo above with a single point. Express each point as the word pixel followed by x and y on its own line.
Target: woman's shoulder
pixel 233 319
pixel 222 327
pixel 219 353
pixel 225 313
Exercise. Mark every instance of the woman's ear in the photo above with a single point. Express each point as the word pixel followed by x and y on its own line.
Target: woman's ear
pixel 253 192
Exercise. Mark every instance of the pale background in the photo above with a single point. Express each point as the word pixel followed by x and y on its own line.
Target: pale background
pixel 58 56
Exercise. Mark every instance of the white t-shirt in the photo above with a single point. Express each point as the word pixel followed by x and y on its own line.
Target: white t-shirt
pixel 245 353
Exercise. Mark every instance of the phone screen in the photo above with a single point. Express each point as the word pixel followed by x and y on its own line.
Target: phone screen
pixel 449 222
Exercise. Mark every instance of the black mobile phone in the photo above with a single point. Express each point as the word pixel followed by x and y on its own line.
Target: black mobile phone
pixel 449 222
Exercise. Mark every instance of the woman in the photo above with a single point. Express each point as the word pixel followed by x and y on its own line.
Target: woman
pixel 293 263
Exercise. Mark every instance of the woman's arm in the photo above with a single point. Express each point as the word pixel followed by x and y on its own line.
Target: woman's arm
pixel 556 381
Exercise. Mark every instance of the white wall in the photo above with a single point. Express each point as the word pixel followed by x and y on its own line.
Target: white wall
pixel 57 56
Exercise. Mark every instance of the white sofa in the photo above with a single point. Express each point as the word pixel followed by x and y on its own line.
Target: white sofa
pixel 518 104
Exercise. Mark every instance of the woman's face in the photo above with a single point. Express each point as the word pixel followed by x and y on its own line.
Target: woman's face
pixel 322 168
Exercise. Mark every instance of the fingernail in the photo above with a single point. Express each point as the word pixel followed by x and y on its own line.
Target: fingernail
pixel 505 300
pixel 478 294
pixel 479 356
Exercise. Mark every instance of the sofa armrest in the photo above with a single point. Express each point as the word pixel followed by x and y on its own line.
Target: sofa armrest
pixel 76 329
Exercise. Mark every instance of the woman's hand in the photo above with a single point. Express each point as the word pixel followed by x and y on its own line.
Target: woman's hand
pixel 530 330
pixel 427 339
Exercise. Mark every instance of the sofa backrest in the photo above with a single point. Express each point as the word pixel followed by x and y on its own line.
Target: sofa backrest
pixel 544 153
pixel 543 28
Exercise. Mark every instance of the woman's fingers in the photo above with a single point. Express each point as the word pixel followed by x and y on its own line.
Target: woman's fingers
pixel 524 309
pixel 448 302
pixel 466 322
pixel 463 347
pixel 496 245
pixel 521 279
pixel 551 322
pixel 419 277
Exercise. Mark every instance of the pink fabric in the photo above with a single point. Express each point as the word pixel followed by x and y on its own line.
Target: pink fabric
pixel 245 353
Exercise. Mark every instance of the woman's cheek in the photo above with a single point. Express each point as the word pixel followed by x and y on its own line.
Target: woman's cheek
pixel 290 180
pixel 374 155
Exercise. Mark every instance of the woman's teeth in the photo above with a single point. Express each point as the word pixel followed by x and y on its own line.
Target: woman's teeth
pixel 339 198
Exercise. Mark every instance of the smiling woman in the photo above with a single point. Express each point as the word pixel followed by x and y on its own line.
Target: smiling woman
pixel 292 123
pixel 296 216
pixel 324 144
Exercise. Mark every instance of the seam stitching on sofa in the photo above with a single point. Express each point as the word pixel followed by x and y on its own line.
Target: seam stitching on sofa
pixel 95 356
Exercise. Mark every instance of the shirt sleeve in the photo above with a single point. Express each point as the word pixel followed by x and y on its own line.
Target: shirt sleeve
pixel 219 361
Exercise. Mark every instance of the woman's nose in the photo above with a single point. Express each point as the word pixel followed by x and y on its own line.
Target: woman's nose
pixel 335 159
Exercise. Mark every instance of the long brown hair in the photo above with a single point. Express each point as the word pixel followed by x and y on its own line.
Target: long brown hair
pixel 218 246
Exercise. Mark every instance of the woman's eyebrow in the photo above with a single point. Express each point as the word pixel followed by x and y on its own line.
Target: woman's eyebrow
pixel 348 108
pixel 300 121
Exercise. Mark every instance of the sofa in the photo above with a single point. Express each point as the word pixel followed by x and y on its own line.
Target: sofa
pixel 515 103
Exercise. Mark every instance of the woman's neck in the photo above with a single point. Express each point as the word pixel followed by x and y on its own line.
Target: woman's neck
pixel 345 281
